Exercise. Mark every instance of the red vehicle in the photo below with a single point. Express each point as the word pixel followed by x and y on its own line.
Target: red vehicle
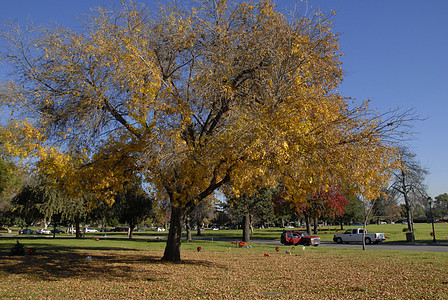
pixel 293 237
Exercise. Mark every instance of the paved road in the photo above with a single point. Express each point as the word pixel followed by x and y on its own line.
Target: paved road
pixel 429 247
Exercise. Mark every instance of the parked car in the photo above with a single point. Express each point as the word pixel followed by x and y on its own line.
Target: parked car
pixel 90 230
pixel 57 230
pixel 26 231
pixel 293 237
pixel 43 231
pixel 121 229
pixel 356 235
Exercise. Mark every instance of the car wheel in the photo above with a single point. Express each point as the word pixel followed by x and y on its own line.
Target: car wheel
pixel 368 241
pixel 339 240
pixel 306 243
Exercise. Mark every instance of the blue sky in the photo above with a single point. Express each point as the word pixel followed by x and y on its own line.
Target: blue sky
pixel 396 53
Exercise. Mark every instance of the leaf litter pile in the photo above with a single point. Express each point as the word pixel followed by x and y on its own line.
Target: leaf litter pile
pixel 235 273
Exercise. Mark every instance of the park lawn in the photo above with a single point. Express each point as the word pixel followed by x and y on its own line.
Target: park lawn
pixel 393 232
pixel 123 269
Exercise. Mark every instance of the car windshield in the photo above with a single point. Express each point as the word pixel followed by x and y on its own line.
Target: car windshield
pixel 304 233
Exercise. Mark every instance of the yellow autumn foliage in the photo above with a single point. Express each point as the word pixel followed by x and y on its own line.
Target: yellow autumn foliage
pixel 232 96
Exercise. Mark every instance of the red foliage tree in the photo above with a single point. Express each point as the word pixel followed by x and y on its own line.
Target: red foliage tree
pixel 329 204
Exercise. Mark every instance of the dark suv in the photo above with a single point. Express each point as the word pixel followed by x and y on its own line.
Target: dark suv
pixel 293 237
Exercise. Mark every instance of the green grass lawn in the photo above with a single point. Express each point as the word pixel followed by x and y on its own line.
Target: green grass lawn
pixel 131 269
pixel 394 232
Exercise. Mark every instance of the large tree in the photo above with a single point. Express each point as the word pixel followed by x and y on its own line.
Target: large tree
pixel 197 100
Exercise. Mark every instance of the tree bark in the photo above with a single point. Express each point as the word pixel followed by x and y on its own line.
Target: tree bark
pixel 409 216
pixel 307 223
pixel 246 228
pixel 251 225
pixel 188 226
pixel 198 231
pixel 54 227
pixel 172 248
pixel 131 231
pixel 407 205
pixel 315 225
pixel 78 230
pixel 364 234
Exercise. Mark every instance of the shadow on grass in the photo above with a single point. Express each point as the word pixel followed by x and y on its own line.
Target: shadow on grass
pixel 84 263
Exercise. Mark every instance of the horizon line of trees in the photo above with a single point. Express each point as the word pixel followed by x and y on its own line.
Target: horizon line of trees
pixel 36 202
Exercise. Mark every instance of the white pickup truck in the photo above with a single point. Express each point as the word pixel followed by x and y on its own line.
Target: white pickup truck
pixel 355 235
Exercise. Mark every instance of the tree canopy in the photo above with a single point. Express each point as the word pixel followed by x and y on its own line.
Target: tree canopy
pixel 226 95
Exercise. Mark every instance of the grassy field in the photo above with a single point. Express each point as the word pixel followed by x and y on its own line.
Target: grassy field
pixel 131 269
pixel 394 232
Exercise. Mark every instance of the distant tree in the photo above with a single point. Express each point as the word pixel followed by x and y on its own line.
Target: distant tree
pixel 284 210
pixel 11 181
pixel 39 201
pixel 221 218
pixel 132 206
pixel 252 209
pixel 326 204
pixel 200 215
pixel 161 213
pixel 353 211
pixel 29 201
pixel 408 184
pixel 103 212
pixel 386 207
pixel 440 206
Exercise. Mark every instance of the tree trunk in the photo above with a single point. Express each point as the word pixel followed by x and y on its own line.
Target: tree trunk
pixel 251 225
pixel 54 227
pixel 409 216
pixel 364 234
pixel 131 231
pixel 188 226
pixel 307 223
pixel 407 205
pixel 246 228
pixel 172 248
pixel 315 225
pixel 198 224
pixel 78 230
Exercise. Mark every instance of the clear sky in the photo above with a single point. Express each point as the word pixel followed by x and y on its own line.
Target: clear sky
pixel 396 53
